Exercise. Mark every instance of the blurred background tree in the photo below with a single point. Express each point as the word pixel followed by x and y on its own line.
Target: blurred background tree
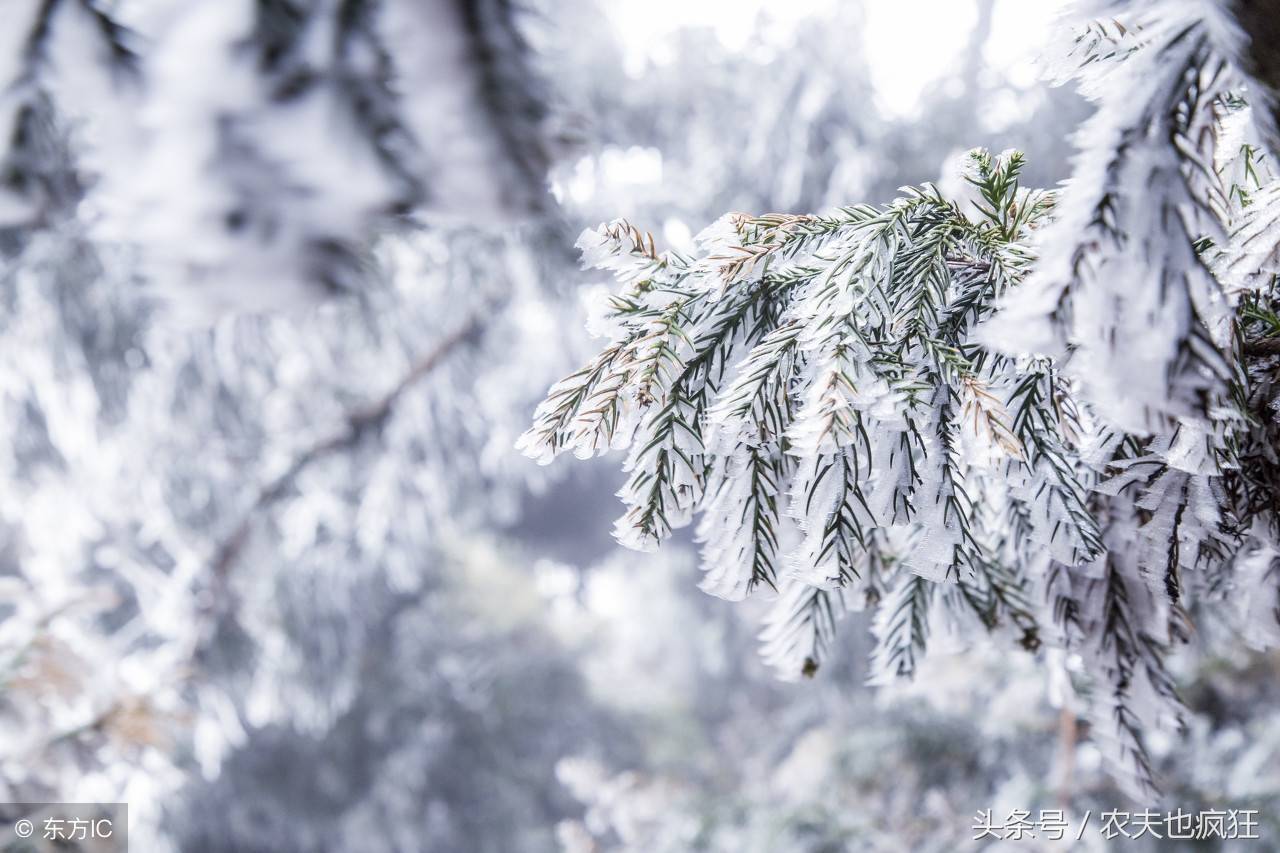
pixel 280 581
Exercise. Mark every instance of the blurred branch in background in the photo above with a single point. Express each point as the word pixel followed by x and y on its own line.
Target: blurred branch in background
pixel 358 424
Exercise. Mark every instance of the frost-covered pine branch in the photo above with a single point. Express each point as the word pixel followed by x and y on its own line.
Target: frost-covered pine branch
pixel 823 391
pixel 41 42
pixel 1124 278
pixel 1069 427
pixel 255 151
pixel 811 385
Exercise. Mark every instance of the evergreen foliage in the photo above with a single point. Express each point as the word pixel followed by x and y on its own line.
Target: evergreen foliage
pixel 1050 415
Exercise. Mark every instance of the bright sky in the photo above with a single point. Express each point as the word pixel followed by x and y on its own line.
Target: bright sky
pixel 643 25
pixel 909 43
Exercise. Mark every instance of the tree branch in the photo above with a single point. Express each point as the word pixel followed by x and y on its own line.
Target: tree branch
pixel 1266 346
pixel 358 423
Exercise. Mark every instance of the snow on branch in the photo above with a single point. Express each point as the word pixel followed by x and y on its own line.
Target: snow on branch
pixel 811 386
pixel 1125 279
pixel 39 44
pixel 827 393
pixel 255 150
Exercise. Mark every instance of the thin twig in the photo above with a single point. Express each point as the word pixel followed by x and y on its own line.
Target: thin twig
pixel 358 423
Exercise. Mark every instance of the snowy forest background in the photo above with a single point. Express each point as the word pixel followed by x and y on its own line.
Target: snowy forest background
pixel 271 568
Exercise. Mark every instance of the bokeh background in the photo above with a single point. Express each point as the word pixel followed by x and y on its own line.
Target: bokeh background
pixel 283 583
